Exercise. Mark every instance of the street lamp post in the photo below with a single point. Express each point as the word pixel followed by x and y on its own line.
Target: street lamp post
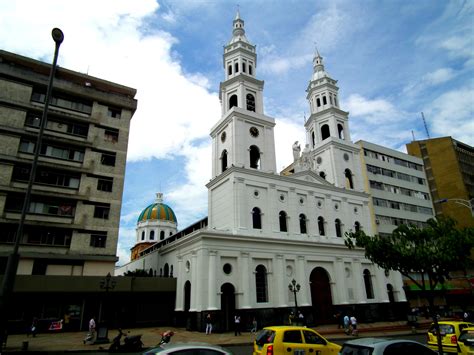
pixel 294 287
pixel 13 259
pixel 107 284
pixel 466 203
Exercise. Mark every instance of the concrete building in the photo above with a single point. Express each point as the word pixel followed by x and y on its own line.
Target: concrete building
pixel 265 229
pixel 449 166
pixel 72 223
pixel 398 187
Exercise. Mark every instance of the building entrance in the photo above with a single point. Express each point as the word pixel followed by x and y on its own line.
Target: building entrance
pixel 227 306
pixel 321 297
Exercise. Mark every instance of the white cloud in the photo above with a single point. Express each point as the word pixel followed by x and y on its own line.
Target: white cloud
pixel 435 78
pixel 372 111
pixel 127 238
pixel 452 114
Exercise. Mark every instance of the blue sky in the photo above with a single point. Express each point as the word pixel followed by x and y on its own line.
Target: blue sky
pixel 392 59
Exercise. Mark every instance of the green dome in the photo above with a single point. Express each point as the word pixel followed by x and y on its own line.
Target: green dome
pixel 157 211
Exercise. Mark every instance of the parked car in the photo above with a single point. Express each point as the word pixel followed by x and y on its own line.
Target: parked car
pixel 380 346
pixel 188 349
pixel 466 341
pixel 292 340
pixel 450 332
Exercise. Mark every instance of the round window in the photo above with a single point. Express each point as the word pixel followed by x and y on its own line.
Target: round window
pixel 255 193
pixel 282 198
pixel 320 204
pixel 227 269
pixel 346 157
pixel 223 137
pixel 319 160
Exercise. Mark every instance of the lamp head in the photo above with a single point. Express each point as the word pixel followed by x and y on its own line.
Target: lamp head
pixel 57 35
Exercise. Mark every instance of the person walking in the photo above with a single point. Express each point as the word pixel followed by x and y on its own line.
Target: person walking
pixel 237 325
pixel 301 318
pixel 92 327
pixel 208 324
pixel 254 325
pixel 346 322
pixel 354 325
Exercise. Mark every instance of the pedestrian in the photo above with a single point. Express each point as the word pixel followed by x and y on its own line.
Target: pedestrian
pixel 300 318
pixel 208 324
pixel 354 325
pixel 291 317
pixel 92 327
pixel 33 329
pixel 237 325
pixel 465 316
pixel 254 325
pixel 346 322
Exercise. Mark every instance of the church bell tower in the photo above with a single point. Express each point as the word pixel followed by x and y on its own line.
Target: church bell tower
pixel 244 136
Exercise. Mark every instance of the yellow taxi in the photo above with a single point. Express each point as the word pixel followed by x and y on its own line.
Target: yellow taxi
pixel 295 340
pixel 466 341
pixel 450 332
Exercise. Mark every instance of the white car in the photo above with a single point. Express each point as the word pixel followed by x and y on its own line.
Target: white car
pixel 381 346
pixel 194 348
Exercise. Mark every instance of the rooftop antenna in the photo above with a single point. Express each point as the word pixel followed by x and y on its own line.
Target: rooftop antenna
pixel 426 127
pixel 413 135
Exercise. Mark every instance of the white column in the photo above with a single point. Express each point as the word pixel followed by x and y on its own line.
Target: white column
pixel 339 278
pixel 281 288
pixel 242 217
pixel 212 281
pixel 398 290
pixel 381 291
pixel 303 281
pixel 179 285
pixel 271 216
pixel 194 282
pixel 359 285
pixel 292 221
pixel 246 275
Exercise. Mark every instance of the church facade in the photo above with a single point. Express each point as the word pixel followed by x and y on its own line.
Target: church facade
pixel 266 229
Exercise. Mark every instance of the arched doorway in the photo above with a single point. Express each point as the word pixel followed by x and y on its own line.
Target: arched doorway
pixel 187 296
pixel 321 297
pixel 227 306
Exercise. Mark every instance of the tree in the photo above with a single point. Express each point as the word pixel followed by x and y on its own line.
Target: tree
pixel 426 256
pixel 137 273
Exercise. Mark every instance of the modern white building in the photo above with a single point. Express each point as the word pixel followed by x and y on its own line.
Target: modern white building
pixel 398 186
pixel 265 229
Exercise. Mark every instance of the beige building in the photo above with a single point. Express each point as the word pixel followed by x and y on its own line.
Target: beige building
pixel 449 167
pixel 72 224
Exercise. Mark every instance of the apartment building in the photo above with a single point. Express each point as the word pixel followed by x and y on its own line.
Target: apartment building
pixel 449 166
pixel 71 227
pixel 398 187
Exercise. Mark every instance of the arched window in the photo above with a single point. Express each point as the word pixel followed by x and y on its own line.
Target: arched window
pixel 302 224
pixel 250 102
pixel 236 65
pixel 250 70
pixel 171 271
pixel 152 235
pixel 143 235
pixel 318 102
pixel 256 218
pixel 325 133
pixel 229 70
pixel 340 130
pixel 368 284
pixel 335 100
pixel 313 138
pixel 224 160
pixel 166 270
pixel 357 226
pixel 282 218
pixel 338 226
pixel 232 101
pixel 323 175
pixel 162 235
pixel 349 182
pixel 261 288
pixel 243 67
pixel 321 226
pixel 171 233
pixel 324 100
pixel 254 157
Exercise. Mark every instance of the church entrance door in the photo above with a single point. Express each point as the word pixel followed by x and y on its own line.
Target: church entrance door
pixel 227 306
pixel 321 298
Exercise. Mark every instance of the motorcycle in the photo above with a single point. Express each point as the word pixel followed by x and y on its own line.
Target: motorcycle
pixel 165 337
pixel 130 343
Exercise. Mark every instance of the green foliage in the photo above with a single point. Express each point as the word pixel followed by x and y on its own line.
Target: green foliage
pixel 137 273
pixel 432 252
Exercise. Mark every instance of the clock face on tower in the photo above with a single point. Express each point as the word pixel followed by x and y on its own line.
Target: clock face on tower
pixel 254 131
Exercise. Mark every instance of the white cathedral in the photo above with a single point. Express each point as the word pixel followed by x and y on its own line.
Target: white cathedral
pixel 265 229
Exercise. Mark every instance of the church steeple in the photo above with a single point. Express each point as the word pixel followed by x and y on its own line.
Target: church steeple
pixel 238 33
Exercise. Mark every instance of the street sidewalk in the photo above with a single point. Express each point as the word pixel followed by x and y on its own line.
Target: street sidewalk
pixel 73 341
